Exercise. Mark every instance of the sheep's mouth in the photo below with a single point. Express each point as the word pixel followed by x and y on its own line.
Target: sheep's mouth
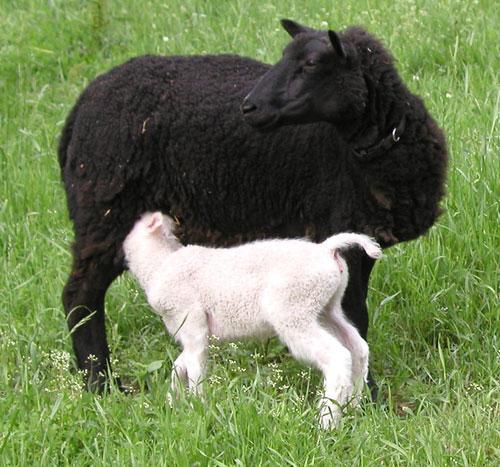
pixel 263 122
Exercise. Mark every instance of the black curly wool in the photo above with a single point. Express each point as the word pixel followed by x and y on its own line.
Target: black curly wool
pixel 166 133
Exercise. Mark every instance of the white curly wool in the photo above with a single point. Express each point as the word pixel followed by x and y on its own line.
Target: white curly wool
pixel 287 288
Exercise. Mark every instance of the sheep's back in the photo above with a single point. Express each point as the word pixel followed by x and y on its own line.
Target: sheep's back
pixel 166 133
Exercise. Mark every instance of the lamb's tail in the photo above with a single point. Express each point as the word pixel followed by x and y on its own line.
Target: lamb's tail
pixel 347 240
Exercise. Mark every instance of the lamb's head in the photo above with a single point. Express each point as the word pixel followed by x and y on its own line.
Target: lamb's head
pixel 319 78
pixel 152 228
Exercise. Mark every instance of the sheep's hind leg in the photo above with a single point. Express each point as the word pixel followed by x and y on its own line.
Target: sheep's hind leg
pixel 83 299
pixel 316 346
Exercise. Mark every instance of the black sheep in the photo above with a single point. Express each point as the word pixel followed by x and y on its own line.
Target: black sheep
pixel 333 141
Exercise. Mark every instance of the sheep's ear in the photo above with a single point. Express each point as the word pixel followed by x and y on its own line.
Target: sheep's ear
pixel 155 222
pixel 337 44
pixel 293 28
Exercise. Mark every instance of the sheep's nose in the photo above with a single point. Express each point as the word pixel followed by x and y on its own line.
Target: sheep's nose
pixel 247 107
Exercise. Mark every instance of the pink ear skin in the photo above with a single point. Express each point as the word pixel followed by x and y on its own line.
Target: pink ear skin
pixel 155 222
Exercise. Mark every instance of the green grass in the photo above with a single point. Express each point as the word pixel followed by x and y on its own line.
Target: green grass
pixel 433 302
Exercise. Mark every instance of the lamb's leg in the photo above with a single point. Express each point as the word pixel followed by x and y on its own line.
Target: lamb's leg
pixel 354 300
pixel 83 299
pixel 350 338
pixel 196 360
pixel 179 378
pixel 316 346
pixel 189 368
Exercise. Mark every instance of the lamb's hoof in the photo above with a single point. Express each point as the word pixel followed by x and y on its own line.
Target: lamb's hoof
pixel 170 400
pixel 174 399
pixel 330 415
pixel 328 422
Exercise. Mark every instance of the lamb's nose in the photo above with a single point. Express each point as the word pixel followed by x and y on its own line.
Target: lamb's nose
pixel 247 107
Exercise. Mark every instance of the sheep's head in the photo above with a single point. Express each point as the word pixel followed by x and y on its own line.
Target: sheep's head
pixel 319 78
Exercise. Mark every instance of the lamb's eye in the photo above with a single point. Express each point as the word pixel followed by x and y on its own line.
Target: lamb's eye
pixel 310 63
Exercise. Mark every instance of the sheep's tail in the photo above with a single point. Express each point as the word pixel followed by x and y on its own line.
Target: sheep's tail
pixel 347 240
pixel 65 139
pixel 66 135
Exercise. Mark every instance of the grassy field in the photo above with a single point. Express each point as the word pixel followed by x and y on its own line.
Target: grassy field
pixel 433 302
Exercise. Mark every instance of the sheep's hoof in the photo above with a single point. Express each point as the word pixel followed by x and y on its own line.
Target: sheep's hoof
pixel 100 383
pixel 372 386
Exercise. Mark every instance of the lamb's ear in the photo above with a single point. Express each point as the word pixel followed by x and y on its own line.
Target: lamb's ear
pixel 337 44
pixel 155 222
pixel 293 28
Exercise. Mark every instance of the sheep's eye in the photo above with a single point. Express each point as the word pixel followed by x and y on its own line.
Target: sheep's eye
pixel 309 65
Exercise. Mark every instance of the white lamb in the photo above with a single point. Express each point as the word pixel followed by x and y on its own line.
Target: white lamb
pixel 287 288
